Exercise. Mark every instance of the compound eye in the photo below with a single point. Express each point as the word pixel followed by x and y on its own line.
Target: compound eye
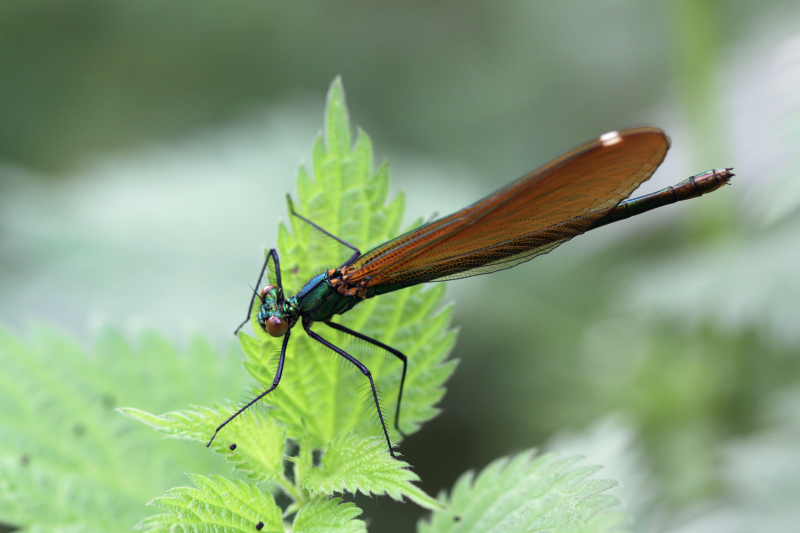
pixel 276 327
pixel 263 293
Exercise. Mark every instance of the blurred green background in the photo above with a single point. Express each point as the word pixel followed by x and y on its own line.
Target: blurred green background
pixel 145 148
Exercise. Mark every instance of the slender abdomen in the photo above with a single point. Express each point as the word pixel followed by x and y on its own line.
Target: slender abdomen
pixel 693 187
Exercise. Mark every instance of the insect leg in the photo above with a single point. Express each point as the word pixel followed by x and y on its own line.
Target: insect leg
pixel 257 398
pixel 273 253
pixel 396 353
pixel 364 370
pixel 356 253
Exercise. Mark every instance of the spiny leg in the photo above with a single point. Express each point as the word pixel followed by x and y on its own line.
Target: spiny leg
pixel 257 398
pixel 273 253
pixel 357 252
pixel 394 352
pixel 364 370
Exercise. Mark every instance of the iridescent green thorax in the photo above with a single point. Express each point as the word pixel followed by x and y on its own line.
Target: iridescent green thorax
pixel 317 301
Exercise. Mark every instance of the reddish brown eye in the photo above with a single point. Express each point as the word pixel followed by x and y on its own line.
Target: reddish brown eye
pixel 276 327
pixel 264 291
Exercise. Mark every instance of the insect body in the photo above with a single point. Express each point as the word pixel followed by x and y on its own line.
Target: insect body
pixel 580 191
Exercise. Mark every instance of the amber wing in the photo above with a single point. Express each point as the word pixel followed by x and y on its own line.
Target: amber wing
pixel 527 218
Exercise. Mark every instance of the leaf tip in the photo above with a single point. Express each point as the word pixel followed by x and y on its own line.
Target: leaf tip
pixel 337 119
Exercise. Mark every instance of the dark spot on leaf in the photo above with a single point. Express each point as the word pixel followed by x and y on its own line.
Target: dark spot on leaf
pixel 108 401
pixel 295 270
pixel 457 518
pixel 259 526
pixel 79 429
pixel 25 460
pixel 232 446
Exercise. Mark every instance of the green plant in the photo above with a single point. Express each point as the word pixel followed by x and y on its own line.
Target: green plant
pixel 315 443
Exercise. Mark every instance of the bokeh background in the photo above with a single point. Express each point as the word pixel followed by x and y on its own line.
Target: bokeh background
pixel 145 148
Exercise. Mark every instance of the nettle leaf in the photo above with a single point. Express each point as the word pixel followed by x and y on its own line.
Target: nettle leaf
pixel 526 493
pixel 217 504
pixel 67 460
pixel 255 446
pixel 355 464
pixel 321 395
pixel 322 402
pixel 329 516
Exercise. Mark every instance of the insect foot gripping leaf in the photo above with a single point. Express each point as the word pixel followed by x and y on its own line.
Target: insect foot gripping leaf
pixel 354 464
pixel 526 493
pixel 319 405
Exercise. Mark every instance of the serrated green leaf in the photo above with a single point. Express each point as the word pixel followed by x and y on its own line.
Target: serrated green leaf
pixel 259 441
pixel 355 464
pixel 216 505
pixel 526 493
pixel 329 516
pixel 67 460
pixel 319 397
